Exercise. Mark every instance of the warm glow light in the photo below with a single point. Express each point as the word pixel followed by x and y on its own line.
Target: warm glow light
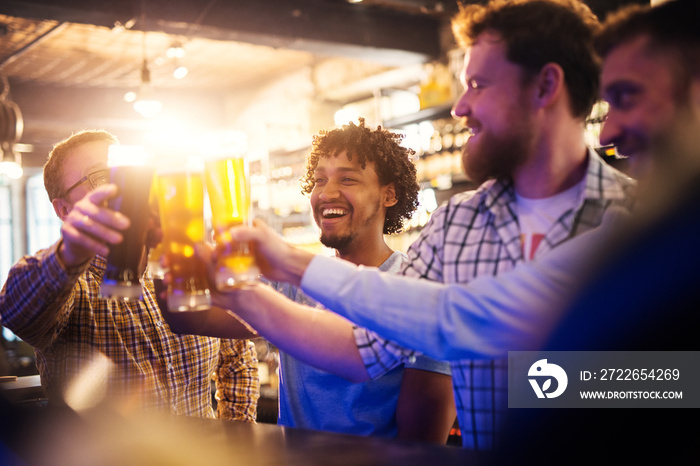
pixel 130 96
pixel 148 108
pixel 180 72
pixel 175 51
pixel 87 389
pixel 121 155
pixel 345 116
pixel 224 143
pixel 12 170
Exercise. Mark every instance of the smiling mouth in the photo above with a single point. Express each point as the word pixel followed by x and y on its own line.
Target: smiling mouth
pixel 472 128
pixel 333 213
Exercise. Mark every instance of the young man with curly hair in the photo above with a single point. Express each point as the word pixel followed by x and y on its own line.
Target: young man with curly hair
pixel 362 185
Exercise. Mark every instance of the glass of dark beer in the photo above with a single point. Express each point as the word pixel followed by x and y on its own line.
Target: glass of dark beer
pixel 126 260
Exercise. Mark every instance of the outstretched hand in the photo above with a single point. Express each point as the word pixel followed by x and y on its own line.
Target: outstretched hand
pixel 91 227
pixel 277 259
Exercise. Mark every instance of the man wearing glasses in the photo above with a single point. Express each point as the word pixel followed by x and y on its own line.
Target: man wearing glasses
pixel 96 179
pixel 51 300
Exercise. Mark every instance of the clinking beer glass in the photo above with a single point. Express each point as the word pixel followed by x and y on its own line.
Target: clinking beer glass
pixel 126 259
pixel 156 253
pixel 181 204
pixel 228 186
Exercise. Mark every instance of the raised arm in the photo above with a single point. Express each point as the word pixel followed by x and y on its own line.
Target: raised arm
pixel 312 335
pixel 483 319
pixel 38 294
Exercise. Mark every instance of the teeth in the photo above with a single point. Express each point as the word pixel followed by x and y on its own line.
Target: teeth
pixel 328 212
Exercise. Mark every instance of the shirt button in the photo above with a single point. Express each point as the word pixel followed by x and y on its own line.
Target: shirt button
pixel 170 367
pixel 159 323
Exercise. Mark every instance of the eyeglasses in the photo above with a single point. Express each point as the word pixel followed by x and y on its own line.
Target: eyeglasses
pixel 96 178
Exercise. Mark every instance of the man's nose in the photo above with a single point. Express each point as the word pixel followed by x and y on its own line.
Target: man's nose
pixel 461 108
pixel 329 191
pixel 611 131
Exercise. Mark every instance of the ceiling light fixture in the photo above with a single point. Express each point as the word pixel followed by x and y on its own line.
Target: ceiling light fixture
pixel 11 127
pixel 10 162
pixel 146 103
pixel 180 72
pixel 176 50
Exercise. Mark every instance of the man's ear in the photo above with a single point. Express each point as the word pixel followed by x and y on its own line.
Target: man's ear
pixel 61 207
pixel 549 84
pixel 390 195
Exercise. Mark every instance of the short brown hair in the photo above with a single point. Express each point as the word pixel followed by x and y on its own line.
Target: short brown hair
pixel 53 168
pixel 391 161
pixel 672 27
pixel 537 32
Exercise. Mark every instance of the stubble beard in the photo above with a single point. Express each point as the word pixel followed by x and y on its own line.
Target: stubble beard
pixel 342 242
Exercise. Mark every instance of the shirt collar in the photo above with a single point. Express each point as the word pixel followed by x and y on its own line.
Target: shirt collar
pixel 602 183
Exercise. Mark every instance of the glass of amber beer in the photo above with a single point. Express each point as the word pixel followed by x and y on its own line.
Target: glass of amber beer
pixel 228 187
pixel 126 260
pixel 156 253
pixel 180 190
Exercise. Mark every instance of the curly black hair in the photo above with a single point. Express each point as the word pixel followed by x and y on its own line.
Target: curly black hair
pixel 392 163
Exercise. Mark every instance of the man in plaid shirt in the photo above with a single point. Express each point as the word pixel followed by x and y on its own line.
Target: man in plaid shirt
pixel 51 300
pixel 531 78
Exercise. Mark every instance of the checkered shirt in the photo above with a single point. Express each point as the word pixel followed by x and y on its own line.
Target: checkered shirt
pixel 142 363
pixel 477 233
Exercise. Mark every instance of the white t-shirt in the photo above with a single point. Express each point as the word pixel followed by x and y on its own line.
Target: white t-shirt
pixel 536 216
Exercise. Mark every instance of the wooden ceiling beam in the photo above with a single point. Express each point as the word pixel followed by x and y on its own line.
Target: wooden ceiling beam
pixel 333 28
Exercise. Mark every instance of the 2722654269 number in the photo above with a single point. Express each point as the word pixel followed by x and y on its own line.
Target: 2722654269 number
pixel 639 374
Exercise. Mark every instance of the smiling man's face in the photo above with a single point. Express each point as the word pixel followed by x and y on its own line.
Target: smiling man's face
pixel 645 102
pixel 496 110
pixel 347 201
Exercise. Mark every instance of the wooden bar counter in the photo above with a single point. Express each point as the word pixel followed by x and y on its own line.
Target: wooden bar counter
pixel 108 436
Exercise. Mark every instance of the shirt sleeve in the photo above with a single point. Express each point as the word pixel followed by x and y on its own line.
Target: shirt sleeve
pixel 37 298
pixel 482 319
pixel 425 254
pixel 381 355
pixel 237 383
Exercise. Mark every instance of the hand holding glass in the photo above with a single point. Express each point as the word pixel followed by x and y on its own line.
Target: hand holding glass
pixel 126 259
pixel 228 186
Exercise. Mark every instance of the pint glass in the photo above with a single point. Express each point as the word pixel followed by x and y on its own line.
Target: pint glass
pixel 126 259
pixel 156 253
pixel 228 186
pixel 181 203
pixel 154 257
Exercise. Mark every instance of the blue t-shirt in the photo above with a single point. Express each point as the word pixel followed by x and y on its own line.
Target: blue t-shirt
pixel 310 398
